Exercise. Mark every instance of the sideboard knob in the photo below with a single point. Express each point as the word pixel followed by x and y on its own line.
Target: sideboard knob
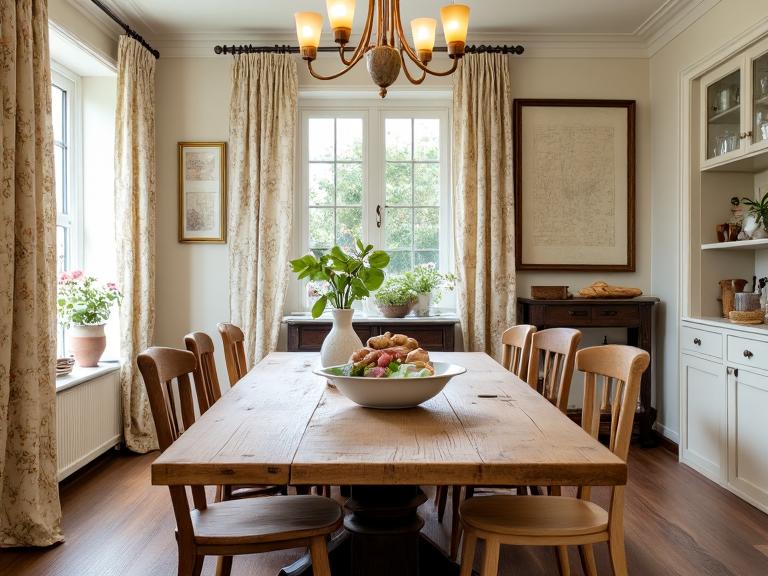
pixel 748 354
pixel 697 341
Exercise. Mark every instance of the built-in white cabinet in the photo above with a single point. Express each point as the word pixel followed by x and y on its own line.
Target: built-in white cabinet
pixel 724 396
pixel 734 108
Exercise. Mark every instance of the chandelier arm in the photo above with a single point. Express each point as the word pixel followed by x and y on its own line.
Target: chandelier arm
pixel 380 22
pixel 448 72
pixel 332 76
pixel 411 79
pixel 363 39
pixel 394 6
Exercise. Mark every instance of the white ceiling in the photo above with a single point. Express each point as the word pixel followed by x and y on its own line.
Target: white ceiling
pixel 172 17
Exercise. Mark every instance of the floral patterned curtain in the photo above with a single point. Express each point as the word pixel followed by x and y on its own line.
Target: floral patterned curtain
pixel 262 135
pixel 135 231
pixel 30 514
pixel 483 198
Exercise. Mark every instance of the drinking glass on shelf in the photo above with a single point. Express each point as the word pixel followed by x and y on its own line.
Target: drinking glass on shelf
pixel 764 86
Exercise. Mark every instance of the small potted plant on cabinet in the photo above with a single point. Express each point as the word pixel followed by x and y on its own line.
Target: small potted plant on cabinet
pixel 84 306
pixel 427 281
pixel 395 298
pixel 758 214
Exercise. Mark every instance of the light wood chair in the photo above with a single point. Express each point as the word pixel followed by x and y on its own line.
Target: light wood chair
pixel 516 349
pixel 558 520
pixel 208 390
pixel 234 351
pixel 232 527
pixel 550 367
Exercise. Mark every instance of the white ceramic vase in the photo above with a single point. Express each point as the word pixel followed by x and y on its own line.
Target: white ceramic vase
pixel 341 341
pixel 424 301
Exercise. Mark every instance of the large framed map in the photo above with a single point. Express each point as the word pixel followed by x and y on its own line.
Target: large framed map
pixel 575 185
pixel 202 192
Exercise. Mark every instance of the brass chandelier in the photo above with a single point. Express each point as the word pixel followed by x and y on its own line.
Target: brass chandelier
pixel 384 59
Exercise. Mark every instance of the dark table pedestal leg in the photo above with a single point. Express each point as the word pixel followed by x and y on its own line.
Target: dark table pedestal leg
pixel 383 538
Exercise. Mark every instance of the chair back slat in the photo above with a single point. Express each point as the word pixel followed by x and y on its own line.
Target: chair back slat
pixel 550 366
pixel 205 375
pixel 515 349
pixel 234 351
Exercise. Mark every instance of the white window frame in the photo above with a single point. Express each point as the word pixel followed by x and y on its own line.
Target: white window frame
pixel 74 220
pixel 374 114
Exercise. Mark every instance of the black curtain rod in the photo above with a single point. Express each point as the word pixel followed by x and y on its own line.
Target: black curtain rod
pixel 286 49
pixel 128 30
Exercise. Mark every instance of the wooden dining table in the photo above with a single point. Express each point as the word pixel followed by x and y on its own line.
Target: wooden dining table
pixel 282 424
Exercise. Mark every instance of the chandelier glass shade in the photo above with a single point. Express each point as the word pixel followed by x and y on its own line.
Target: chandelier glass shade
pixel 390 51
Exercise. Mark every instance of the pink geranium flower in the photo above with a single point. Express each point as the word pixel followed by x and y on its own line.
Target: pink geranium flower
pixel 77 274
pixel 64 277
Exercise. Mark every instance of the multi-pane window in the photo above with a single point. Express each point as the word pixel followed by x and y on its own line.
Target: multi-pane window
pixel 60 105
pixel 380 174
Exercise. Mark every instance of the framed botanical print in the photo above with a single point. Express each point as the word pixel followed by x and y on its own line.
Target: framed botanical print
pixel 574 185
pixel 203 192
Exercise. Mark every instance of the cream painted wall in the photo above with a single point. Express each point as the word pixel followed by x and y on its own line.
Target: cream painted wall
pixel 712 31
pixel 64 15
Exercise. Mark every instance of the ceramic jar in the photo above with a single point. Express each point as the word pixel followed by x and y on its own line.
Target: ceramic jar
pixel 87 344
pixel 424 301
pixel 341 341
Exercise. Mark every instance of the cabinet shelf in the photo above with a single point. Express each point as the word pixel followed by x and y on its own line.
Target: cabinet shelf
pixel 762 101
pixel 727 116
pixel 760 244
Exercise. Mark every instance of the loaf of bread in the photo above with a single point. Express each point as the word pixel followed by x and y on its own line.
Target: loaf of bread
pixel 605 290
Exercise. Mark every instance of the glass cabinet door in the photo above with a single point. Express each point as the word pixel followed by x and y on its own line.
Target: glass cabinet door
pixel 723 115
pixel 759 99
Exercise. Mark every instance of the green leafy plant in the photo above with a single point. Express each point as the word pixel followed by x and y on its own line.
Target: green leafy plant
pixel 759 208
pixel 395 291
pixel 84 301
pixel 426 278
pixel 350 276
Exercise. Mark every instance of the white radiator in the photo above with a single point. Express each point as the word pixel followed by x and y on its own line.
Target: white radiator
pixel 88 421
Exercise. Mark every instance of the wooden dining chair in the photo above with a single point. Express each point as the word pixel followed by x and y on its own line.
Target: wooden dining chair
pixel 208 390
pixel 559 520
pixel 516 349
pixel 550 367
pixel 231 527
pixel 234 351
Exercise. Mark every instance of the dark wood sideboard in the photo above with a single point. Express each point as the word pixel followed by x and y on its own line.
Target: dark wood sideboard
pixel 434 333
pixel 635 314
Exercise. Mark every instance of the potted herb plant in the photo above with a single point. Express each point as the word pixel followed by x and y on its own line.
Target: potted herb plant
pixel 84 305
pixel 395 298
pixel 426 280
pixel 758 211
pixel 350 277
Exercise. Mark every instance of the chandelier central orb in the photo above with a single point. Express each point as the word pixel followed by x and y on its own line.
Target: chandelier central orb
pixel 387 55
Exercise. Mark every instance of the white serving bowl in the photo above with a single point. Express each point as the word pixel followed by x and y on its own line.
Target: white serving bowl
pixel 392 393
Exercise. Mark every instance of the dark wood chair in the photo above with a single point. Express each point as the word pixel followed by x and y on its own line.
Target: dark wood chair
pixel 232 527
pixel 234 351
pixel 558 520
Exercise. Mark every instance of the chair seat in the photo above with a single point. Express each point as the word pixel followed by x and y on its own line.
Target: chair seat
pixel 534 515
pixel 261 520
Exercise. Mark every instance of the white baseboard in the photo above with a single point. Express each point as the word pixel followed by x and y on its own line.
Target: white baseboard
pixel 667 432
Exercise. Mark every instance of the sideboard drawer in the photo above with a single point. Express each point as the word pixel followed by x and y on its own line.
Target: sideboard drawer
pixel 701 341
pixel 568 315
pixel 747 351
pixel 310 338
pixel 433 338
pixel 616 315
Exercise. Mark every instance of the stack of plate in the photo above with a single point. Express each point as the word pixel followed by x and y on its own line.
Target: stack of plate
pixel 64 365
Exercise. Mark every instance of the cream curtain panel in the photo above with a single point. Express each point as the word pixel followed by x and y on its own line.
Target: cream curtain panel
pixel 483 200
pixel 30 514
pixel 135 231
pixel 262 135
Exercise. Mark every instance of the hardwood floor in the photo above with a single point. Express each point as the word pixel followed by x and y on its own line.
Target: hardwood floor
pixel 677 523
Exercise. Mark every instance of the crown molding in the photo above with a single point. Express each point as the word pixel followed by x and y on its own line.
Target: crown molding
pixel 101 21
pixel 670 20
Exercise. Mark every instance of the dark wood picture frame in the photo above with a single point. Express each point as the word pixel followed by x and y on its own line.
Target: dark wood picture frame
pixel 630 107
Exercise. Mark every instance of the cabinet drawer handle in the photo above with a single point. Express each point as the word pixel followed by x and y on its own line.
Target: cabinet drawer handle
pixel 608 313
pixel 748 354
pixel 577 312
pixel 697 341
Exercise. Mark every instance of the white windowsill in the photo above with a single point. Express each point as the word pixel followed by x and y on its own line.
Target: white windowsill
pixel 80 375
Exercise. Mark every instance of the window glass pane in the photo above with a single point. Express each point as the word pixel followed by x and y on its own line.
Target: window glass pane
pixel 320 141
pixel 398 138
pixel 349 183
pixel 426 139
pixel 320 184
pixel 320 227
pixel 349 139
pixel 57 111
pixel 426 226
pixel 427 257
pixel 398 228
pixel 62 244
pixel 426 184
pixel 60 177
pixel 399 181
pixel 349 225
pixel 399 262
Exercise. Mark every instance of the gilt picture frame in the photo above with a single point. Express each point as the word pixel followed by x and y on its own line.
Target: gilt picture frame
pixel 202 192
pixel 574 173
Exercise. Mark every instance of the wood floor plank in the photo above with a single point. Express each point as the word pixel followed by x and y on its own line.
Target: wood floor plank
pixel 677 524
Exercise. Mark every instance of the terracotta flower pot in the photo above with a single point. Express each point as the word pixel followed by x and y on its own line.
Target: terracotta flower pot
pixel 87 344
pixel 395 311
